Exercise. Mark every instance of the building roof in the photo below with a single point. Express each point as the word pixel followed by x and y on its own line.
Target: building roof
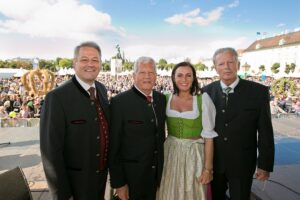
pixel 275 42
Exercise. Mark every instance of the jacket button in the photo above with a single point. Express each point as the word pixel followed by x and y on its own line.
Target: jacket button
pixel 226 124
pixel 97 154
pixel 96 119
pixel 97 172
pixel 98 137
pixel 152 120
pixel 223 111
pixel 153 167
pixel 92 103
pixel 225 139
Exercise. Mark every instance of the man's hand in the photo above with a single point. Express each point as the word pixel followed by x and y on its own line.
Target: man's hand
pixel 122 192
pixel 71 198
pixel 262 175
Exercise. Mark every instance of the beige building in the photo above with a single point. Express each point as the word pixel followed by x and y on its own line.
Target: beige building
pixel 283 49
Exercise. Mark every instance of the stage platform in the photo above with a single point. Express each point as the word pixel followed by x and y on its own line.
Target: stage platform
pixel 21 148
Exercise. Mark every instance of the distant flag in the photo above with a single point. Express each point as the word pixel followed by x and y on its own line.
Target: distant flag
pixel 257 33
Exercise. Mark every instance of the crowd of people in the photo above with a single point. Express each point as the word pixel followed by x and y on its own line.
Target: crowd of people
pixel 15 102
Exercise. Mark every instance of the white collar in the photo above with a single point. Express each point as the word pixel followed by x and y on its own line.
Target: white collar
pixel 232 85
pixel 84 84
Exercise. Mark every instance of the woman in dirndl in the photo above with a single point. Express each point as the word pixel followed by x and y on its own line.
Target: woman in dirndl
pixel 188 149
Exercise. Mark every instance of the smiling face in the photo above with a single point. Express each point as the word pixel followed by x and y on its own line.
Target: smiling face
pixel 87 64
pixel 145 77
pixel 227 66
pixel 183 78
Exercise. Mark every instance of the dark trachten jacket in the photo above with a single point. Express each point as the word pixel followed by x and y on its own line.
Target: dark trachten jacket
pixel 244 126
pixel 69 137
pixel 136 142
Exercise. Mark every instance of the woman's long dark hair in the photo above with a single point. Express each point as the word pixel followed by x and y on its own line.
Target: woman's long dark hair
pixel 195 86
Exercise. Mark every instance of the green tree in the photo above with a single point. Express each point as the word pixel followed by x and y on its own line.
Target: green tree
pixel 47 64
pixel 106 66
pixel 3 64
pixel 200 67
pixel 275 68
pixel 279 86
pixel 287 69
pixel 292 67
pixel 262 68
pixel 128 65
pixel 170 66
pixel 57 61
pixel 65 63
pixel 162 63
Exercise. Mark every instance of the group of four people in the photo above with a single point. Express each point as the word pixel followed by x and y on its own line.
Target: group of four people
pixel 212 135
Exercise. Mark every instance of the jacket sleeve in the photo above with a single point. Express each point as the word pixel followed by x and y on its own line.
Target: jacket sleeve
pixel 265 135
pixel 52 134
pixel 115 165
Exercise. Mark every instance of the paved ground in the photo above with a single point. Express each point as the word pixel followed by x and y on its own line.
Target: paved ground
pixel 23 151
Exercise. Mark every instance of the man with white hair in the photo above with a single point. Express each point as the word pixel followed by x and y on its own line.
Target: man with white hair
pixel 137 135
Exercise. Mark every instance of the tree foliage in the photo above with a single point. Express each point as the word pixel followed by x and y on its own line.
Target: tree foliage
pixel 65 63
pixel 283 86
pixel 128 65
pixel 200 66
pixel 262 68
pixel 106 66
pixel 47 64
pixel 275 68
pixel 162 64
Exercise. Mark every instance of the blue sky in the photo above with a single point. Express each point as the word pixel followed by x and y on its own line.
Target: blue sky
pixel 171 29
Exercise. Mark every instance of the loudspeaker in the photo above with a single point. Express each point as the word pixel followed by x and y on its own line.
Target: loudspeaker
pixel 14 185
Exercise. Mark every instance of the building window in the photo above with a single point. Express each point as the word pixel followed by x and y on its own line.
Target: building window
pixel 281 42
pixel 258 46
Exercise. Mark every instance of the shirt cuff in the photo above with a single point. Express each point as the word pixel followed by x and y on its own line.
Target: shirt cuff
pixel 208 134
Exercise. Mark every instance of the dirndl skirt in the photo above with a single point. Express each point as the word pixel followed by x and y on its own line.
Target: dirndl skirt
pixel 183 162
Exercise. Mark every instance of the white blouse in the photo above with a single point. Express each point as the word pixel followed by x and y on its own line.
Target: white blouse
pixel 208 114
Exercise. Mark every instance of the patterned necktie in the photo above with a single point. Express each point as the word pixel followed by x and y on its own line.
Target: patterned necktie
pixel 149 99
pixel 92 93
pixel 227 90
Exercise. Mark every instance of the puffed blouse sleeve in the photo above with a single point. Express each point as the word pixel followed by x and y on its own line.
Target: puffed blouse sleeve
pixel 208 117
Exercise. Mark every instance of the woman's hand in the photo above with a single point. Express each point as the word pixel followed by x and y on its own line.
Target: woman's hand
pixel 206 176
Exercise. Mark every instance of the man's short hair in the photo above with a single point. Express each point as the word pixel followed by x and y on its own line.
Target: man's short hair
pixel 143 59
pixel 222 50
pixel 87 44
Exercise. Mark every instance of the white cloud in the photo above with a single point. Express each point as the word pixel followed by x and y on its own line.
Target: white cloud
pixel 54 18
pixel 280 25
pixel 234 4
pixel 237 43
pixel 194 48
pixel 192 17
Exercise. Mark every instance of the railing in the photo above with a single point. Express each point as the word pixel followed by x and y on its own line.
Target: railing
pixel 285 115
pixel 19 122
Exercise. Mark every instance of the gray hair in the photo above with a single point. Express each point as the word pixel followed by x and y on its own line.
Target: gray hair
pixel 87 44
pixel 143 59
pixel 222 50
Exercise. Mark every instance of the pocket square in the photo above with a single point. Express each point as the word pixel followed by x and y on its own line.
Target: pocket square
pixel 78 121
pixel 135 122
